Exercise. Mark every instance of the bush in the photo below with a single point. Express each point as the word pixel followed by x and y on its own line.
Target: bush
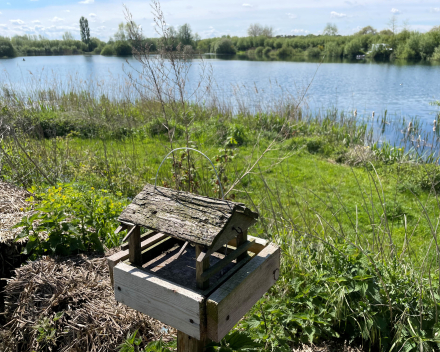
pixel 122 48
pixel 353 48
pixel 332 49
pixel 436 55
pixel 6 48
pixel 71 218
pixel 267 51
pixel 312 52
pixel 285 52
pixel 224 46
pixel 108 50
pixel 259 51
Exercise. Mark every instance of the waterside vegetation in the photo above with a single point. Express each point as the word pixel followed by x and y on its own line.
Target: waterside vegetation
pixel 394 42
pixel 357 223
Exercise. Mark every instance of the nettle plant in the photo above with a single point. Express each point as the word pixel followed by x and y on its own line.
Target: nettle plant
pixel 70 218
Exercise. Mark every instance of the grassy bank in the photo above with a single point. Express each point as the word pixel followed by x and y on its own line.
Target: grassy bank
pixel 357 225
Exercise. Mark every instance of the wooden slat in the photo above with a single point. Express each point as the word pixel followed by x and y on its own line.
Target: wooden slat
pixel 144 236
pixel 232 300
pixel 158 248
pixel 202 264
pixel 258 245
pixel 226 260
pixel 225 277
pixel 120 228
pixel 123 255
pixel 172 304
pixel 193 218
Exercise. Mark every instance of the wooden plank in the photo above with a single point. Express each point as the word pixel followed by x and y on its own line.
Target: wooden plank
pixel 193 218
pixel 134 246
pixel 127 236
pixel 123 255
pixel 226 260
pixel 232 300
pixel 172 304
pixel 225 277
pixel 258 245
pixel 202 264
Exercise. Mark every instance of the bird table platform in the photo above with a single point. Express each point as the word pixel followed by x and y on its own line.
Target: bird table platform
pixel 195 268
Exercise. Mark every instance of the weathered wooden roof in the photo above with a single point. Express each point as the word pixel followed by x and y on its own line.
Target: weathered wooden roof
pixel 197 219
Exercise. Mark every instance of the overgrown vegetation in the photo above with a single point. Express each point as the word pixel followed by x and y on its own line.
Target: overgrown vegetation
pixel 357 222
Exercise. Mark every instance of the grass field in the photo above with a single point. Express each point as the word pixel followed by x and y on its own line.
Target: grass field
pixel 357 224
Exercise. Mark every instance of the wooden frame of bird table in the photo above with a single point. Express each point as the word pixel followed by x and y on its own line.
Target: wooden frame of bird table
pixel 200 285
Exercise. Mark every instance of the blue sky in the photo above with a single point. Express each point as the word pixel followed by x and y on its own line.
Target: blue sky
pixel 212 18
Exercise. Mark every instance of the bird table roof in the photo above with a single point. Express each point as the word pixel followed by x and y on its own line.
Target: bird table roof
pixel 196 219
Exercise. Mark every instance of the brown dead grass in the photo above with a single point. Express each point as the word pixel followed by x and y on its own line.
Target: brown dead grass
pixel 78 286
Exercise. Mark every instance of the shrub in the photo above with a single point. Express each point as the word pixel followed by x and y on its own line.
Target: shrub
pixel 278 44
pixel 71 218
pixel 285 52
pixel 122 48
pixel 353 48
pixel 108 50
pixel 224 46
pixel 259 51
pixel 6 48
pixel 313 52
pixel 267 51
pixel 332 49
pixel 436 55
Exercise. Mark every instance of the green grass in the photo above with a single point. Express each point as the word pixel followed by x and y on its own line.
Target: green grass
pixel 359 250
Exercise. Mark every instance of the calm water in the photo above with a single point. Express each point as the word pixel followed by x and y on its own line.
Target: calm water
pixel 404 90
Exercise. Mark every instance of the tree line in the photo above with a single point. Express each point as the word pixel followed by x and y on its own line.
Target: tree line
pixel 392 42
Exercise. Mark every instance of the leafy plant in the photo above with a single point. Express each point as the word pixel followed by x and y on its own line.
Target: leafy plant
pixel 70 218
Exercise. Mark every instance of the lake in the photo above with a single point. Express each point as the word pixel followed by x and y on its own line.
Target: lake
pixel 401 89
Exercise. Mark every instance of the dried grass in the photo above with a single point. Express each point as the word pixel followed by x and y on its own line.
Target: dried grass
pixel 12 205
pixel 80 287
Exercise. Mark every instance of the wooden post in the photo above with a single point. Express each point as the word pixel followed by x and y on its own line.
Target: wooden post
pixel 186 343
pixel 242 238
pixel 134 246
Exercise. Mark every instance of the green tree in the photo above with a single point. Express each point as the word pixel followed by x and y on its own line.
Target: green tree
pixel 68 36
pixel 367 30
pixel 184 34
pixel 122 48
pixel 6 48
pixel 84 30
pixel 330 29
pixel 224 46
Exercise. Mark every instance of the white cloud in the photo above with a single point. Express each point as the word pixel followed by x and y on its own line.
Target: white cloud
pixel 3 26
pixel 299 31
pixel 247 5
pixel 395 11
pixel 292 16
pixel 66 10
pixel 17 22
pixel 57 19
pixel 0 13
pixel 435 9
pixel 36 21
pixel 335 14
pixel 87 2
pixel 92 15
